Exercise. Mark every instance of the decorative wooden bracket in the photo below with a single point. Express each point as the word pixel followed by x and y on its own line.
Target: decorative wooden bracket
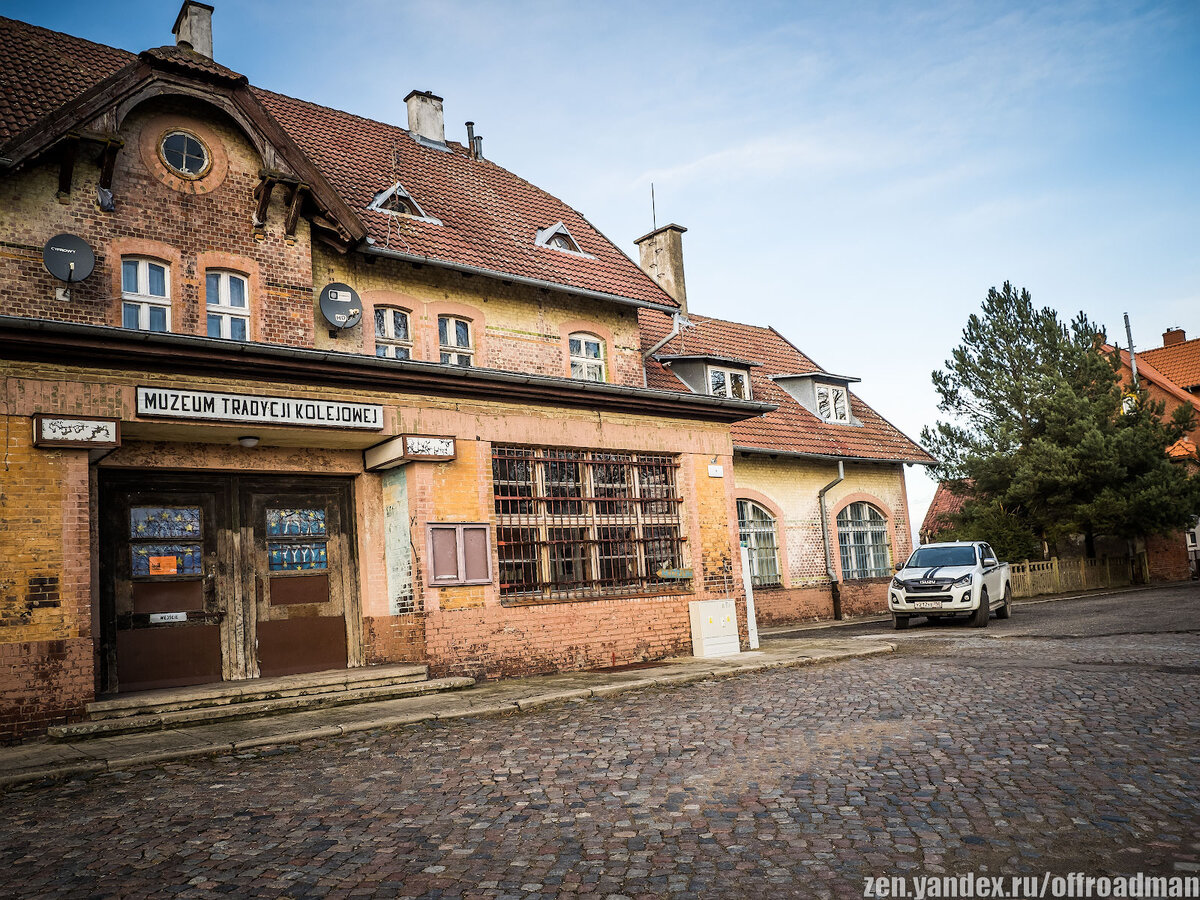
pixel 295 202
pixel 262 194
pixel 66 167
pixel 108 161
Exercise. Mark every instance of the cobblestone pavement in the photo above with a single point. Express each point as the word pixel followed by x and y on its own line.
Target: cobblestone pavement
pixel 1065 739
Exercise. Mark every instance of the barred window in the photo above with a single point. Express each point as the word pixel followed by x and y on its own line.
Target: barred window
pixel 863 539
pixel 757 529
pixel 574 524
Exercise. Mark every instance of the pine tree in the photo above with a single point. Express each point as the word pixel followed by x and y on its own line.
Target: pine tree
pixel 1038 430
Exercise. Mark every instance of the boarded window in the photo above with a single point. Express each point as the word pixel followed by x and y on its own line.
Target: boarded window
pixel 460 553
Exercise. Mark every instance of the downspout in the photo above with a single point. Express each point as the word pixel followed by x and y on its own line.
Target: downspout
pixel 677 322
pixel 834 588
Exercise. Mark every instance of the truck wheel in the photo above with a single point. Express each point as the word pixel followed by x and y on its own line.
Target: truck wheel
pixel 1005 611
pixel 899 622
pixel 979 618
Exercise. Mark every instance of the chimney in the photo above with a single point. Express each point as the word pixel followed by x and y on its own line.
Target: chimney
pixel 1173 336
pixel 662 259
pixel 193 27
pixel 425 116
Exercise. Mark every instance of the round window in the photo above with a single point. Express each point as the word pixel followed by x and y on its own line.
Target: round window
pixel 184 154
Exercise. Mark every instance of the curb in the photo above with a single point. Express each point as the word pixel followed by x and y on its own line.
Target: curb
pixel 522 704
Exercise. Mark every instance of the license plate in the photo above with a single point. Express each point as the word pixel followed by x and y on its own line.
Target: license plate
pixel 928 604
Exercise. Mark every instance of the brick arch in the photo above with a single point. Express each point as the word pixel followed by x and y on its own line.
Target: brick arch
pixel 395 300
pixel 832 528
pixel 785 574
pixel 429 336
pixel 587 326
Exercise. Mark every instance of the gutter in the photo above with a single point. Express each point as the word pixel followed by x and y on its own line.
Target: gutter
pixel 834 588
pixel 43 340
pixel 372 250
pixel 825 457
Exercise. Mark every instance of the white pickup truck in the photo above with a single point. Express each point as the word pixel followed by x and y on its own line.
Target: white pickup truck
pixel 962 578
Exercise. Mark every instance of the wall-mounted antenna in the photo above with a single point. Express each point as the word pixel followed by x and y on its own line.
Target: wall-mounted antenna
pixel 653 211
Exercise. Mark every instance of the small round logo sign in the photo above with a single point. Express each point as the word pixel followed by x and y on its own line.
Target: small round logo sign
pixel 340 305
pixel 68 257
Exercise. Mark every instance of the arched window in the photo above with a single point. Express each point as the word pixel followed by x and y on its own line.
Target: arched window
pixel 757 529
pixel 145 294
pixel 227 298
pixel 863 539
pixel 454 341
pixel 587 357
pixel 392 336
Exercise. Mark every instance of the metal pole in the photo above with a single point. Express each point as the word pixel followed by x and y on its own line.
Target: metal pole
pixel 1132 357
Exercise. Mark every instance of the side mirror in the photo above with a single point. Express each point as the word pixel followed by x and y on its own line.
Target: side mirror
pixel 899 566
pixel 990 561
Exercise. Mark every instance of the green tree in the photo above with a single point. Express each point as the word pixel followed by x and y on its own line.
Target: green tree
pixel 1037 428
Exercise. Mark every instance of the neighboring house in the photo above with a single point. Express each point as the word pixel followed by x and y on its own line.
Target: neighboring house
pixel 340 393
pixel 947 500
pixel 818 480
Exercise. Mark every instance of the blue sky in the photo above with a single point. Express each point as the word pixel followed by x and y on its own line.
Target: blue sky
pixel 857 175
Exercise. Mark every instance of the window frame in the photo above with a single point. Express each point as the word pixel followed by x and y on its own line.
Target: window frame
pixel 390 340
pixel 728 372
pixel 179 173
pixel 625 508
pixel 225 311
pixel 833 391
pixel 584 360
pixel 754 548
pixel 142 298
pixel 460 577
pixel 849 549
pixel 456 352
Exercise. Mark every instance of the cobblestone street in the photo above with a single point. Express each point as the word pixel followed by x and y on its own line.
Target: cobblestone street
pixel 1064 739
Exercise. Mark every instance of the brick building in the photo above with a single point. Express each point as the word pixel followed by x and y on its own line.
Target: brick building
pixel 818 480
pixel 334 394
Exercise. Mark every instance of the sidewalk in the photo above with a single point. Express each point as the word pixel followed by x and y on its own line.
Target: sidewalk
pixel 42 760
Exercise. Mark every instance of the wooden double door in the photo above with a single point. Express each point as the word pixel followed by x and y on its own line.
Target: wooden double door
pixel 223 578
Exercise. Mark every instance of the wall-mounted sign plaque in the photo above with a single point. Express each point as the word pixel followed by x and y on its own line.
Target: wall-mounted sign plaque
pixel 406 448
pixel 340 305
pixel 171 403
pixel 681 574
pixel 92 433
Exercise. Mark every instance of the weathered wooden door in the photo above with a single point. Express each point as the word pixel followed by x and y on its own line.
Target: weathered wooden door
pixel 163 587
pixel 297 563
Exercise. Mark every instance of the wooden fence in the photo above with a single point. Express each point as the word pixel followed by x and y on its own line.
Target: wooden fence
pixel 1056 576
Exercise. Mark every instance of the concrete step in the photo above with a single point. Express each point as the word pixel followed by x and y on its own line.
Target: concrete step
pixel 252 690
pixel 204 715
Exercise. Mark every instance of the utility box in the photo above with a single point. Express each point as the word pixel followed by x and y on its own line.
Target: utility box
pixel 714 628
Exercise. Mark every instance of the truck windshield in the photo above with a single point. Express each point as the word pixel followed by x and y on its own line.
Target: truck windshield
pixel 928 557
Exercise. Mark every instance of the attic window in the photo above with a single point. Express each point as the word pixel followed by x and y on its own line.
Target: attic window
pixel 557 237
pixel 723 382
pixel 833 403
pixel 184 154
pixel 399 202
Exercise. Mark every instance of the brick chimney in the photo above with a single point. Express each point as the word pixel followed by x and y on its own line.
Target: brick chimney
pixel 1173 336
pixel 193 27
pixel 662 260
pixel 425 116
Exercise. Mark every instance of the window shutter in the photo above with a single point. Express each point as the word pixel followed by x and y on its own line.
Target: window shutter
pixel 444 542
pixel 477 553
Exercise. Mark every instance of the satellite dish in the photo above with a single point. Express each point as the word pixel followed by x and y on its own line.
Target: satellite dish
pixel 341 305
pixel 68 258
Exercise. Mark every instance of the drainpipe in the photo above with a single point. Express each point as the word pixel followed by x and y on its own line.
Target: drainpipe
pixel 678 321
pixel 834 588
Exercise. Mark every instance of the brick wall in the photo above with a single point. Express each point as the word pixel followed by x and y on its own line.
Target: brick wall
pixel 43 683
pixel 1167 557
pixel 864 597
pixel 787 606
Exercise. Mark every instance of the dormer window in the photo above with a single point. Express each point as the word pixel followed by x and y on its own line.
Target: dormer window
pixel 833 403
pixel 733 383
pixel 399 202
pixel 557 237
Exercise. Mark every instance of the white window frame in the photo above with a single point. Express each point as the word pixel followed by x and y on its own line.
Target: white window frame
pixel 142 298
pixel 223 308
pixel 864 541
pixel 728 389
pixel 583 360
pixel 758 531
pixel 388 340
pixel 833 392
pixel 455 354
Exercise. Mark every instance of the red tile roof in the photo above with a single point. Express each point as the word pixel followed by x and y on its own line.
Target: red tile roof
pixel 1151 373
pixel 791 428
pixel 1180 362
pixel 946 501
pixel 489 216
